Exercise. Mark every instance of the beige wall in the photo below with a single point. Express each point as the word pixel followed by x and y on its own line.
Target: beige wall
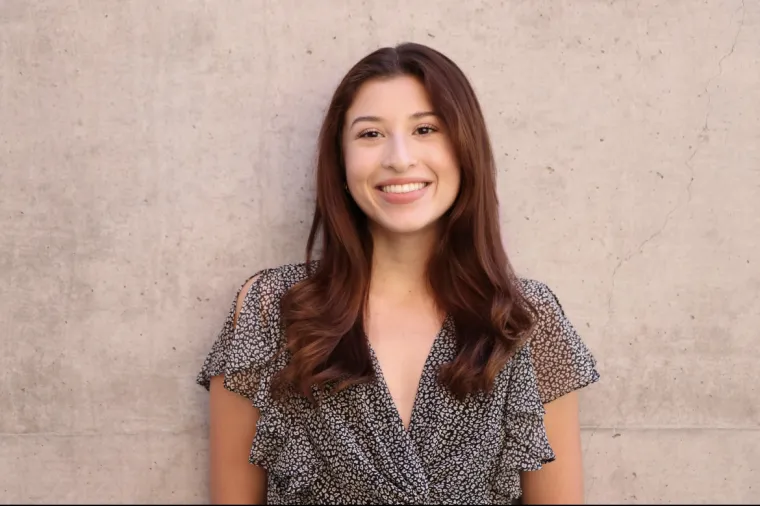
pixel 154 154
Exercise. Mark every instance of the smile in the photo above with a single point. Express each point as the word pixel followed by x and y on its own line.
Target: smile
pixel 403 188
pixel 405 193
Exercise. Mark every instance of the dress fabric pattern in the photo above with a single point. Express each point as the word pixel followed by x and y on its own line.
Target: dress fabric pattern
pixel 353 448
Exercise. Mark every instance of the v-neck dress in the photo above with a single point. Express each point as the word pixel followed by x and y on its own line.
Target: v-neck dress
pixel 353 447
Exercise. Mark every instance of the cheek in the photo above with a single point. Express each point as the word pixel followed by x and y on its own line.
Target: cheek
pixel 443 157
pixel 454 182
pixel 457 178
pixel 449 170
pixel 358 164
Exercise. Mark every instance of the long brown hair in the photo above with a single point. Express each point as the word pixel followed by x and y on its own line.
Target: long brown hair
pixel 469 272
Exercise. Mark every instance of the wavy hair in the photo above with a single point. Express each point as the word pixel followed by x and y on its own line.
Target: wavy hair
pixel 469 272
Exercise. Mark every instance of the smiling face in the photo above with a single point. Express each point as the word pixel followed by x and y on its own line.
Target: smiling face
pixel 401 169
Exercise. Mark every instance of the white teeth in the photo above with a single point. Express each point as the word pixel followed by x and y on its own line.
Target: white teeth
pixel 403 188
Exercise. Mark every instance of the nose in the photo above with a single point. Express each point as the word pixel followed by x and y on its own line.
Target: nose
pixel 398 155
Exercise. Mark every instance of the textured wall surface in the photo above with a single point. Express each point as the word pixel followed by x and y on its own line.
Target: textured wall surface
pixel 155 154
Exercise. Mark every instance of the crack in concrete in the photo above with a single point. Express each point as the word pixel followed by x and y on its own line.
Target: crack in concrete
pixel 702 134
pixel 697 145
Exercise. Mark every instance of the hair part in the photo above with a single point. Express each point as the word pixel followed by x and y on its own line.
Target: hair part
pixel 469 272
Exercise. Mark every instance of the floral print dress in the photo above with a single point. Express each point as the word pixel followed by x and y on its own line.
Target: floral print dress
pixel 354 449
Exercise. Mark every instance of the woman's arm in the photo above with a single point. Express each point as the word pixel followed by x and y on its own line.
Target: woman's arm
pixel 561 481
pixel 233 424
pixel 232 427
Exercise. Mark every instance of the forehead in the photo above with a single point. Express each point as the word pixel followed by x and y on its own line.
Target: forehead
pixel 389 97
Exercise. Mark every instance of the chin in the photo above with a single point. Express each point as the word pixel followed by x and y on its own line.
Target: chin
pixel 406 227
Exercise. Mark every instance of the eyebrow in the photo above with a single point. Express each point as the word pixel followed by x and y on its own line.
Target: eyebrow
pixel 416 115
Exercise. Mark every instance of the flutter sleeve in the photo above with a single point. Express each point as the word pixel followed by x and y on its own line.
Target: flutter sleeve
pixel 561 360
pixel 244 350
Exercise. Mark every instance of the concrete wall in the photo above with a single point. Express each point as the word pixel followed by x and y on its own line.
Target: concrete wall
pixel 154 154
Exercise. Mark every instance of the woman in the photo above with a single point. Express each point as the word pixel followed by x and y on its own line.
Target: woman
pixel 409 364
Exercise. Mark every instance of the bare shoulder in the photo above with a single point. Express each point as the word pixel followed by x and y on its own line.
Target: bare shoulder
pixel 244 291
pixel 268 286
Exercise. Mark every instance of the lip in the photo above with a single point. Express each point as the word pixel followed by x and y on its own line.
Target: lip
pixel 402 180
pixel 403 198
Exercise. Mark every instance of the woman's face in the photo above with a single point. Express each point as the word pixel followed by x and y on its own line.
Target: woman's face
pixel 400 164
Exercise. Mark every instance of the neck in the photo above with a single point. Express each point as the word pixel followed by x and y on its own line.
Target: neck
pixel 399 262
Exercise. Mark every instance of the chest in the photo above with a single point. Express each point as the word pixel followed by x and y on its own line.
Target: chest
pixel 402 339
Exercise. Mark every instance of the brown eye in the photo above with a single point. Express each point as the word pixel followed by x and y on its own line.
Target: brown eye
pixel 425 130
pixel 369 134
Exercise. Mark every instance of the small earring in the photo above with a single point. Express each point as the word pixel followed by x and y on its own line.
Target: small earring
pixel 345 186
